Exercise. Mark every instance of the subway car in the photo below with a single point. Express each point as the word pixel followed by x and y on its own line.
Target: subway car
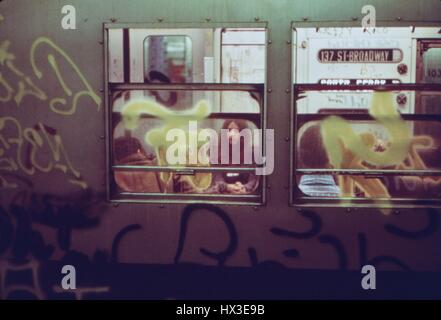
pixel 220 149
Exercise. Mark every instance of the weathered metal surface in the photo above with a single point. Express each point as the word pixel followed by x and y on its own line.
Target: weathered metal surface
pixel 317 238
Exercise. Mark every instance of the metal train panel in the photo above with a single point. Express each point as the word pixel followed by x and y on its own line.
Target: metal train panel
pixel 84 170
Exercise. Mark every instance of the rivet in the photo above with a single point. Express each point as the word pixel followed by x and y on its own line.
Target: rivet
pixel 354 18
pixel 269 42
pixel 288 90
pixel 116 205
pixel 102 137
pixel 207 19
pixel 270 90
pixel 286 138
pixel 113 20
pixel 305 18
pixel 399 18
pixel 256 19
pixel 255 208
pixel 288 42
pixel 160 19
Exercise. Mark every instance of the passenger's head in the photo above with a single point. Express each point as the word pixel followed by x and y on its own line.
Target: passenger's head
pixel 126 146
pixel 235 126
pixel 312 151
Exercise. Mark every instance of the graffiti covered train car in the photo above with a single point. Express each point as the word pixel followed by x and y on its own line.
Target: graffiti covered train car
pixel 107 108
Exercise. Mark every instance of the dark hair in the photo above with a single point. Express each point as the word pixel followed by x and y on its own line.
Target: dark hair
pixel 312 152
pixel 241 124
pixel 125 146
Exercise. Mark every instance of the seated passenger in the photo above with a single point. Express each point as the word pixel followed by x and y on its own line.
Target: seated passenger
pixel 129 151
pixel 314 156
pixel 234 182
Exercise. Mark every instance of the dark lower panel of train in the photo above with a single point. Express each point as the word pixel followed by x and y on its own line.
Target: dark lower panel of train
pixel 268 281
pixel 54 209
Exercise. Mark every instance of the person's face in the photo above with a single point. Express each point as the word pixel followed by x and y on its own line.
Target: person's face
pixel 233 132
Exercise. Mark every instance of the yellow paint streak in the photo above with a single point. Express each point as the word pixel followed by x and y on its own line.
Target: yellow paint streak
pixel 89 92
pixel 34 91
pixel 156 137
pixel 54 65
pixel 337 134
pixel 81 184
pixel 8 89
pixel 36 139
pixel 5 55
pixel 349 150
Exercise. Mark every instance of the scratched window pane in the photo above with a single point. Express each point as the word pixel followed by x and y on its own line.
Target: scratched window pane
pixel 180 100
pixel 131 149
pixel 140 119
pixel 342 101
pixel 168 59
pixel 432 64
pixel 431 102
pixel 133 146
pixel 136 146
pixel 243 56
pixel 206 55
pixel 431 59
pixel 371 146
pixel 339 187
pixel 200 183
pixel 359 144
pixel 349 139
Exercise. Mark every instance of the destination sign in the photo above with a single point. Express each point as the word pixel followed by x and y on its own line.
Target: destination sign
pixel 358 82
pixel 359 55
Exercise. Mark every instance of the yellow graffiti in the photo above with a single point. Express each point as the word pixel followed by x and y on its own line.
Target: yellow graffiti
pixel 349 150
pixel 7 59
pixel 54 65
pixel 89 92
pixel 156 137
pixel 8 89
pixel 4 54
pixel 337 134
pixel 25 85
pixel 415 162
pixel 31 145
pixel 28 143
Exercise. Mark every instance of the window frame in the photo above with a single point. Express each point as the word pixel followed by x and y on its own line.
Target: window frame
pixel 184 198
pixel 297 88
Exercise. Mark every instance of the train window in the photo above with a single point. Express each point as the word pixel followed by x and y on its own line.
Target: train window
pixel 366 124
pixel 196 81
pixel 168 56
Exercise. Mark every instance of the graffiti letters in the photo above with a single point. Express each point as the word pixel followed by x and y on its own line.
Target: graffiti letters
pixel 26 150
pixel 21 147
